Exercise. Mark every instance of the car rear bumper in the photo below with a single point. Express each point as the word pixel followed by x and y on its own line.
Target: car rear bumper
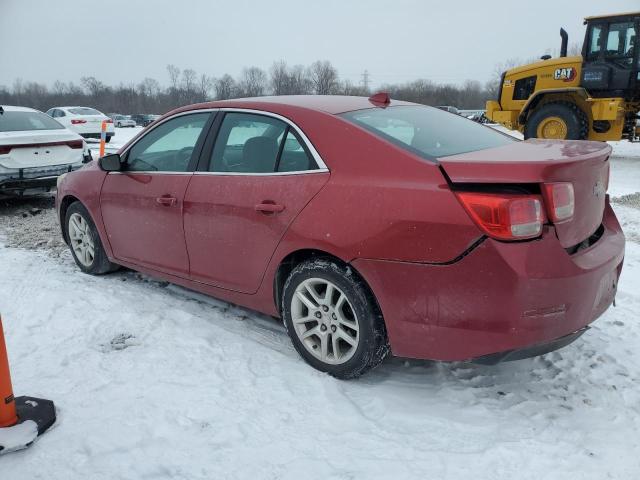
pixel 96 135
pixel 39 178
pixel 499 298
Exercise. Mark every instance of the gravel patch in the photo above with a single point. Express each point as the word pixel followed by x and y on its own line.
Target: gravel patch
pixel 31 223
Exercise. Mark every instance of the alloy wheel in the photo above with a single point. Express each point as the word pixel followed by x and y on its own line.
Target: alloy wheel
pixel 324 321
pixel 81 240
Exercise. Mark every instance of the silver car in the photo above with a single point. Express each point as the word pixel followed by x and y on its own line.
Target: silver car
pixel 121 121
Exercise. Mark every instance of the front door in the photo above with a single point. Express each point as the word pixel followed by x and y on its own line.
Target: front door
pixel 259 176
pixel 142 205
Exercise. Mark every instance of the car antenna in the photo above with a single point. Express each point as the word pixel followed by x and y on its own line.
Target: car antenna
pixel 380 99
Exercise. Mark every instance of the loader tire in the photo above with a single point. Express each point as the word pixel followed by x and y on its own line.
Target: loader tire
pixel 557 120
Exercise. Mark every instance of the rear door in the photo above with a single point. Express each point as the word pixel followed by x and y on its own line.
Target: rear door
pixel 258 176
pixel 142 205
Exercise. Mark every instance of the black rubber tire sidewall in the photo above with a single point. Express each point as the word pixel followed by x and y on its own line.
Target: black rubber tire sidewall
pixel 101 263
pixel 577 124
pixel 373 345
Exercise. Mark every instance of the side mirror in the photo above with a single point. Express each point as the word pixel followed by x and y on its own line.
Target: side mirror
pixel 110 163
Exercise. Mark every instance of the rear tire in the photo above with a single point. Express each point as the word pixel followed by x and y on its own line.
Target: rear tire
pixel 558 120
pixel 84 241
pixel 341 333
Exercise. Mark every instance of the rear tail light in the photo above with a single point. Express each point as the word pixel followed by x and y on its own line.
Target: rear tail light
pixel 505 216
pixel 109 121
pixel 560 200
pixel 75 144
pixel 77 122
pixel 4 150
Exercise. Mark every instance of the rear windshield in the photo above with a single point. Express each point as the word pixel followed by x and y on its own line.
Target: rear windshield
pixel 21 121
pixel 84 111
pixel 428 132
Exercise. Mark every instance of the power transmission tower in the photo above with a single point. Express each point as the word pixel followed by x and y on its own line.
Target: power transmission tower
pixel 365 80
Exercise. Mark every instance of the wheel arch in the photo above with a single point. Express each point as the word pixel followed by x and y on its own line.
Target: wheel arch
pixel 66 201
pixel 291 260
pixel 540 96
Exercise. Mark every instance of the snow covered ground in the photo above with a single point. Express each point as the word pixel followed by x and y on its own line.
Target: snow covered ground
pixel 153 381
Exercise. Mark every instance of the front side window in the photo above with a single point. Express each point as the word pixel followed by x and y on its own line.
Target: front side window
pixel 427 132
pixel 23 121
pixel 595 42
pixel 168 147
pixel 251 143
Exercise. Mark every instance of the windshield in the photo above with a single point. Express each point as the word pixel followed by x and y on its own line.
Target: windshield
pixel 426 131
pixel 24 121
pixel 84 111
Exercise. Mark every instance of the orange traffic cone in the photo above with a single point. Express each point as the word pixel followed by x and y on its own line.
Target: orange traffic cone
pixel 8 414
pixel 22 419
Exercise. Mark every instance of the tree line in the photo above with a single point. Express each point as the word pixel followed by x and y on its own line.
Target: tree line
pixel 187 86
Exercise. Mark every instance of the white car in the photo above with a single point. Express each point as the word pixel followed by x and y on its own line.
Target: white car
pixel 35 149
pixel 84 120
pixel 122 121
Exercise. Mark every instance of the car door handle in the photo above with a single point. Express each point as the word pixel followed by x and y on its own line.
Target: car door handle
pixel 167 201
pixel 269 207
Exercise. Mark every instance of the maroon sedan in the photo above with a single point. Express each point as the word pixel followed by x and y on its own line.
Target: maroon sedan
pixel 367 225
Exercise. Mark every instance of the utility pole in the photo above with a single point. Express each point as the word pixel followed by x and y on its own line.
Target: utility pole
pixel 365 80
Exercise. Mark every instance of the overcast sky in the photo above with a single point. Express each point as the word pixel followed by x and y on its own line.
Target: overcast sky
pixel 395 40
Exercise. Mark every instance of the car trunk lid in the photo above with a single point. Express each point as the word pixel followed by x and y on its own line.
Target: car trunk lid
pixel 584 164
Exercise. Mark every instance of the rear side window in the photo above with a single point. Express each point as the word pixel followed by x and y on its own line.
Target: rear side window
pixel 22 121
pixel 84 111
pixel 621 39
pixel 427 132
pixel 250 143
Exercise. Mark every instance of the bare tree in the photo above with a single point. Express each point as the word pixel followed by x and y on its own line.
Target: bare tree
pixel 279 78
pixel 348 88
pixel 253 82
pixel 299 82
pixel 149 87
pixel 205 85
pixel 174 76
pixel 324 77
pixel 225 87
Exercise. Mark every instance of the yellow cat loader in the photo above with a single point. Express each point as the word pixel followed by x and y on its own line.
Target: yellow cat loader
pixel 595 96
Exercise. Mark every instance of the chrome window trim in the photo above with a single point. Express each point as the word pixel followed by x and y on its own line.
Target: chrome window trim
pixel 264 174
pixel 149 172
pixel 322 167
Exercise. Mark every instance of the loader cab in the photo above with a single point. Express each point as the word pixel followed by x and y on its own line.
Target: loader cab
pixel 611 56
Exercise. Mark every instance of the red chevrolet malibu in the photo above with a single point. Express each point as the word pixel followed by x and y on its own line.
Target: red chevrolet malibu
pixel 367 225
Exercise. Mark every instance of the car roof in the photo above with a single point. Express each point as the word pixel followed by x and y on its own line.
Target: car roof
pixel 12 108
pixel 333 104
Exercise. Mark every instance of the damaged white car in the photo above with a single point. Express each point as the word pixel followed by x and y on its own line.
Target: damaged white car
pixel 34 150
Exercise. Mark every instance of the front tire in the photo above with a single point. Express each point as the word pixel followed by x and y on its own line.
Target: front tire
pixel 333 320
pixel 84 241
pixel 557 120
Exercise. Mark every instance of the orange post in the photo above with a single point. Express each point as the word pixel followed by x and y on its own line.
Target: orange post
pixel 8 415
pixel 103 137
